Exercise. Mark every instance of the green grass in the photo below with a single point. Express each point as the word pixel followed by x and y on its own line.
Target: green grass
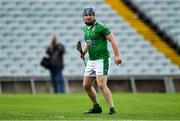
pixel 71 106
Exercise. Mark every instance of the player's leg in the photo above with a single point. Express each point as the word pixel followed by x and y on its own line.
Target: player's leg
pixel 88 86
pixel 102 83
pixel 102 70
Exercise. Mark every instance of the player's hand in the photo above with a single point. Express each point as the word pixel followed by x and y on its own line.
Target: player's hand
pixel 117 60
pixel 82 54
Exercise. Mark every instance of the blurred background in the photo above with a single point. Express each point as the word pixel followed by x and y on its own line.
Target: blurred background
pixel 148 34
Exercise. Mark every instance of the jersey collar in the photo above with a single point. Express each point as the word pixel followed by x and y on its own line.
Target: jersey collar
pixel 90 27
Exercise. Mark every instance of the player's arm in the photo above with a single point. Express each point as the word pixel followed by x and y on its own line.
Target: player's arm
pixel 113 41
pixel 84 52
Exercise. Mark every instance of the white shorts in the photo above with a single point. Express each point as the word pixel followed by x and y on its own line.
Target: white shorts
pixel 97 67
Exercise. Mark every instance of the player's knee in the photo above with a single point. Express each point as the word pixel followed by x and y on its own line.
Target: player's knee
pixel 86 87
pixel 101 86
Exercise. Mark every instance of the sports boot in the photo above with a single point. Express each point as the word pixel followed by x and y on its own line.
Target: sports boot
pixel 111 111
pixel 96 109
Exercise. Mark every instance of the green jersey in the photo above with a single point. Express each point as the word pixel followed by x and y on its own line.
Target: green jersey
pixel 95 37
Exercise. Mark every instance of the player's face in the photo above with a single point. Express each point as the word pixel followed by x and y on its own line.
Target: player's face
pixel 88 18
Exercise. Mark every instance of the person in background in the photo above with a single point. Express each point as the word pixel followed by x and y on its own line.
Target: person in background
pixel 55 52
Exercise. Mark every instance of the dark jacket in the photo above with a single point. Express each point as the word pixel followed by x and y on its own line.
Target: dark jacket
pixel 56 56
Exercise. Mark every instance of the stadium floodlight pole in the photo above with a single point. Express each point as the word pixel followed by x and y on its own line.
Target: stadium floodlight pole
pixel 79 48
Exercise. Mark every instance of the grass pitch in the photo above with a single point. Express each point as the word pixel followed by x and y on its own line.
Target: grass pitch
pixel 71 107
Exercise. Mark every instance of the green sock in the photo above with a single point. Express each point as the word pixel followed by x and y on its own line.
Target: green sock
pixel 112 109
pixel 96 105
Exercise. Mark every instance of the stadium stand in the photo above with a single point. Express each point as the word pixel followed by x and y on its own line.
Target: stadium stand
pixel 164 15
pixel 132 17
pixel 26 28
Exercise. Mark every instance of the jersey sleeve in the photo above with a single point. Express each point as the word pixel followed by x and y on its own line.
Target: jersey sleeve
pixel 105 30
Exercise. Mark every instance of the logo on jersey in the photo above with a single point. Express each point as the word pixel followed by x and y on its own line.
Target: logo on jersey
pixel 90 42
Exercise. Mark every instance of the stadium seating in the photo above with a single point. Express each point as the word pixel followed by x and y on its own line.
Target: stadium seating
pixel 27 26
pixel 163 13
